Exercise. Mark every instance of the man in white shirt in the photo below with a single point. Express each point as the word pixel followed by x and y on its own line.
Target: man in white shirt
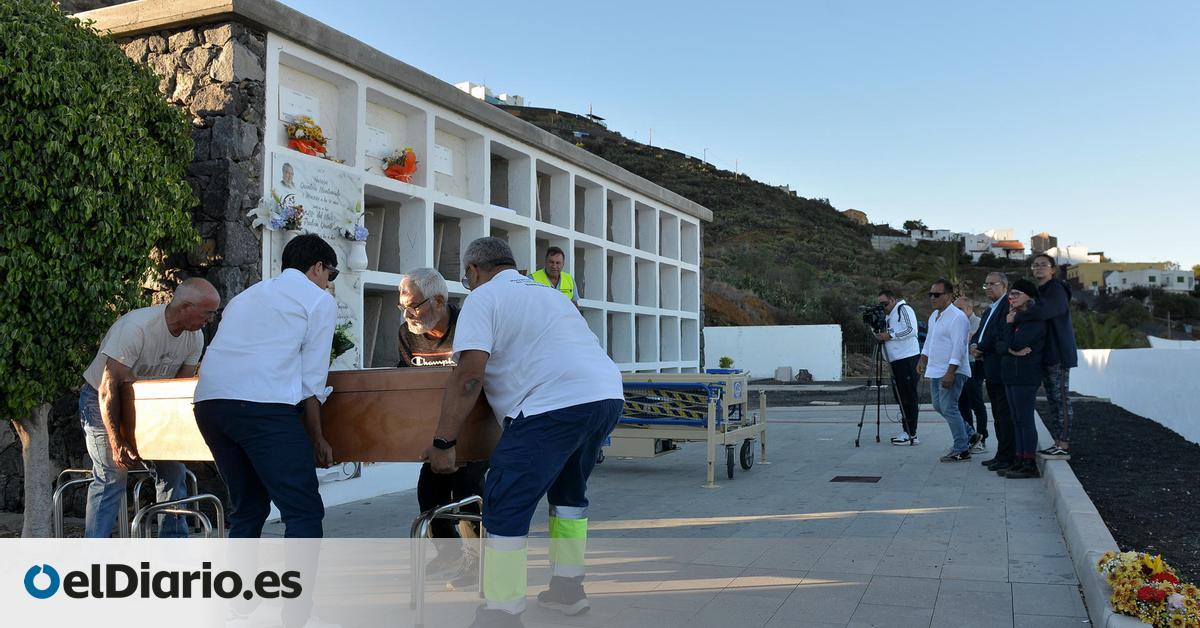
pixel 269 357
pixel 944 361
pixel 900 347
pixel 559 395
pixel 156 342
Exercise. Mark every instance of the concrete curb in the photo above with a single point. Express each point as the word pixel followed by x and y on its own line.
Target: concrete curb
pixel 1086 535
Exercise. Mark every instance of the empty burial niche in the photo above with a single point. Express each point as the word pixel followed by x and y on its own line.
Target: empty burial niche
pixel 689 291
pixel 620 337
pixel 646 328
pixel 689 340
pixel 595 321
pixel 589 207
pixel 396 224
pixel 510 180
pixel 620 278
pixel 381 324
pixel 689 242
pixel 668 339
pixel 518 239
pixel 453 230
pixel 646 283
pixel 589 271
pixel 619 220
pixel 668 287
pixel 553 201
pixel 646 222
pixel 668 236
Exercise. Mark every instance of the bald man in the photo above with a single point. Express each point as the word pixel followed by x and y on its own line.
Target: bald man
pixel 157 342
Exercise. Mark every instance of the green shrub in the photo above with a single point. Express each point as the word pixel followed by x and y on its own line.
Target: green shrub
pixel 725 362
pixel 92 177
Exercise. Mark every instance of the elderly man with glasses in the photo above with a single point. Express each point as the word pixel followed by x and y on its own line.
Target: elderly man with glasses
pixel 427 339
pixel 945 362
pixel 984 347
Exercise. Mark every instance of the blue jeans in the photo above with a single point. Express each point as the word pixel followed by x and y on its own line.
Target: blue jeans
pixel 264 455
pixel 109 480
pixel 549 454
pixel 946 403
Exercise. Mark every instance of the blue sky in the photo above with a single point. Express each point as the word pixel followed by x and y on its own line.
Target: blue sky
pixel 1078 118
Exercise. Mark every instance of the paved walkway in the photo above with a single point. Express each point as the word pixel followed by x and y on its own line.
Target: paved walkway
pixel 929 544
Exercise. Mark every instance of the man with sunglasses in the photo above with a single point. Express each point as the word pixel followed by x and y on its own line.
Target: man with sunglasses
pixel 944 360
pixel 427 339
pixel 262 383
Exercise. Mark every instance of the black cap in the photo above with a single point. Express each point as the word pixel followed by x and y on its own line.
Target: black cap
pixel 1026 286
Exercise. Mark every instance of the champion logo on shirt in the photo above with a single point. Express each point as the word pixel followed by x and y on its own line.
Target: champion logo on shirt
pixel 420 360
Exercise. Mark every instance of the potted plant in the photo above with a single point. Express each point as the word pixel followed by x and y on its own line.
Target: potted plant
pixel 401 165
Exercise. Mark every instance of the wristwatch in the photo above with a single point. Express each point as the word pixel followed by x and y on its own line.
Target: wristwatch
pixel 441 443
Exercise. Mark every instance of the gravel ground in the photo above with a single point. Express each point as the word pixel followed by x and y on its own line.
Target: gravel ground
pixel 1143 479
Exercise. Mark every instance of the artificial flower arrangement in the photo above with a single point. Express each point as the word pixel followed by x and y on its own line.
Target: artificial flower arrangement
pixel 401 165
pixel 285 213
pixel 354 230
pixel 306 136
pixel 1145 587
pixel 341 341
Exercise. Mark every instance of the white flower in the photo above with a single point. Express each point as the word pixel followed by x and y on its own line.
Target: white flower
pixel 1175 601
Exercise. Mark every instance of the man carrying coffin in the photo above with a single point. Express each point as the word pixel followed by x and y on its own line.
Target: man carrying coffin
pixel 559 395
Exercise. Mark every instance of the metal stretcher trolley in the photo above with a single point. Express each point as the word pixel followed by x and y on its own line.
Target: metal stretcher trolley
pixel 664 409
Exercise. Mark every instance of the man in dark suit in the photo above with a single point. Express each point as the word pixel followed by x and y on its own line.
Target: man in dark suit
pixel 983 346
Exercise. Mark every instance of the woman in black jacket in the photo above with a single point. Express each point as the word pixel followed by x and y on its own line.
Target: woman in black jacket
pixel 1021 346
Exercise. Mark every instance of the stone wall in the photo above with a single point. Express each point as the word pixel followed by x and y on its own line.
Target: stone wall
pixel 215 73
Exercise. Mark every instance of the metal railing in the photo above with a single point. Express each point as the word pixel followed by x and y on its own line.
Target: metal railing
pixel 420 530
pixel 177 507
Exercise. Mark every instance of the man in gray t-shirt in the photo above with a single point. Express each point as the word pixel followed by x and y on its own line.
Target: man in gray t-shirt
pixel 157 342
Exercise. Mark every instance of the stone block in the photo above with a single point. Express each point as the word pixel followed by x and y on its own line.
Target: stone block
pixel 229 281
pixel 185 83
pixel 199 58
pixel 219 99
pixel 201 138
pixel 156 43
pixel 233 138
pixel 183 40
pixel 237 63
pixel 239 244
pixel 218 35
pixel 137 50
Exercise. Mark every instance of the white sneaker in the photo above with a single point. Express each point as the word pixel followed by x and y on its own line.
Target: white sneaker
pixel 901 439
pixel 978 448
pixel 914 441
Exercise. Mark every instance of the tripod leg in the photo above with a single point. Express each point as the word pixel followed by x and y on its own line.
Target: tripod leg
pixel 878 387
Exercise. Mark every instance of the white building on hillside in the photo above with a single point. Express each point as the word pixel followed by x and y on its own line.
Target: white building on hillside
pixel 1000 234
pixel 484 93
pixel 1168 280
pixel 1072 255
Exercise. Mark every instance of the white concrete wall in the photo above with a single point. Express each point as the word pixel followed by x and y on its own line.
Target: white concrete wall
pixel 1163 343
pixel 1158 384
pixel 761 349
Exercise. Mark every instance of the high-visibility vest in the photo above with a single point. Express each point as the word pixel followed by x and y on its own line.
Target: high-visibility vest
pixel 566 284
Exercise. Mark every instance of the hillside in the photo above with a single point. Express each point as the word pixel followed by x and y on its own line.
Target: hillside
pixel 770 257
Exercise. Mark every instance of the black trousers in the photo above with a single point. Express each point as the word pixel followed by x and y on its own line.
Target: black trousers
pixel 1006 447
pixel 436 489
pixel 970 404
pixel 904 373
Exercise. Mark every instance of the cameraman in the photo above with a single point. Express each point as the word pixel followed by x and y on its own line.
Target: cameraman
pixel 901 348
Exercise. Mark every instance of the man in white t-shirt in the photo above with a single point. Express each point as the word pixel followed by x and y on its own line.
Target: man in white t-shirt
pixel 156 342
pixel 945 362
pixel 559 395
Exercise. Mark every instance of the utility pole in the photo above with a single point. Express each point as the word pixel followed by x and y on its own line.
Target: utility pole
pixel 735 167
pixel 705 158
pixel 651 141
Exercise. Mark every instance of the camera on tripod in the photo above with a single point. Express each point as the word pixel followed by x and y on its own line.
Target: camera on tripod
pixel 874 316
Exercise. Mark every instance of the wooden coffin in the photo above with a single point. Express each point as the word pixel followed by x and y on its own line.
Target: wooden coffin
pixel 373 415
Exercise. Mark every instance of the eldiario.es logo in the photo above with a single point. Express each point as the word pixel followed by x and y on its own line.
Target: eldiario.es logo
pixel 116 581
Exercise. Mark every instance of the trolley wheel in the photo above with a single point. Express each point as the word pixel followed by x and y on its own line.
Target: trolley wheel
pixel 600 457
pixel 747 454
pixel 729 460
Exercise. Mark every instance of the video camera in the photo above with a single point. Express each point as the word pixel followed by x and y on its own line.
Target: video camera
pixel 875 317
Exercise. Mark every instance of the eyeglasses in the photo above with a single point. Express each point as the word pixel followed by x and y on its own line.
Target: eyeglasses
pixel 934 295
pixel 1041 265
pixel 992 283
pixel 333 272
pixel 412 308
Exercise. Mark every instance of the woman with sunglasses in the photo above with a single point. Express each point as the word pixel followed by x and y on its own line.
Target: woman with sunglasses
pixel 1022 346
